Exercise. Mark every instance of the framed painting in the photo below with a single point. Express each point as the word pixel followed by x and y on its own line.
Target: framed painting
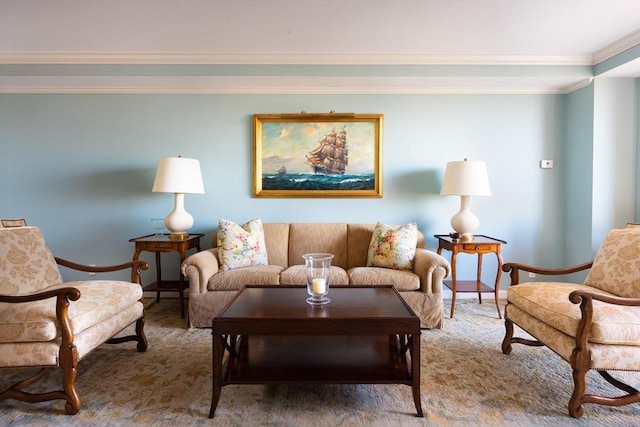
pixel 318 155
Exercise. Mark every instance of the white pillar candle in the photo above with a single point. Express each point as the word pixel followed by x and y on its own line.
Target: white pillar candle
pixel 318 285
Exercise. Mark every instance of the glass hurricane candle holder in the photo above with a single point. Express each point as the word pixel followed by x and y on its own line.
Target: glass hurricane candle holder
pixel 318 266
pixel 158 225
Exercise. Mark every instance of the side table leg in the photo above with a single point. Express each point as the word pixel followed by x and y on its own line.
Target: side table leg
pixel 158 276
pixel 454 284
pixel 181 285
pixel 479 279
pixel 496 289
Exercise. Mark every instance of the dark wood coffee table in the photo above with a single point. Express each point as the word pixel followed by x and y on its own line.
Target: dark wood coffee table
pixel 273 336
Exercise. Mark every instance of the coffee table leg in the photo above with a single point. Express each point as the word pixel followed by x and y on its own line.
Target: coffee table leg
pixel 218 351
pixel 415 372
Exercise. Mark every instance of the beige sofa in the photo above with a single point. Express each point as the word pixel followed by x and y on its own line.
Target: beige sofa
pixel 211 289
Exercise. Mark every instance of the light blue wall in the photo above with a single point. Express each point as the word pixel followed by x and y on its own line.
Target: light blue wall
pixel 578 175
pixel 614 160
pixel 637 127
pixel 601 150
pixel 81 166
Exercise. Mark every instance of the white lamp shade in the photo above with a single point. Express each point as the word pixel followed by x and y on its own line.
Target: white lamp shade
pixel 178 175
pixel 466 178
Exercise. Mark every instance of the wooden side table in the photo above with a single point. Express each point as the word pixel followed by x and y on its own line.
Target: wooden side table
pixel 163 243
pixel 480 245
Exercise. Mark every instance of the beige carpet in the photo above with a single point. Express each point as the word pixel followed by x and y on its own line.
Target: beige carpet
pixel 466 380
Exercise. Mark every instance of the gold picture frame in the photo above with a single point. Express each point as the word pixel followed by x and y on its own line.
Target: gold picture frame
pixel 318 155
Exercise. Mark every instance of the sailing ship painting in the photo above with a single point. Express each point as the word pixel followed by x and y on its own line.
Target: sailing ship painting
pixel 318 158
pixel 331 154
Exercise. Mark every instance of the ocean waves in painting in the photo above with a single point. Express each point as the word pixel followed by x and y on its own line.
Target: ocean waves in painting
pixel 309 181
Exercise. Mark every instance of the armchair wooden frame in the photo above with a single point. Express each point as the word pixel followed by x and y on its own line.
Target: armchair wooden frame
pixel 68 355
pixel 580 358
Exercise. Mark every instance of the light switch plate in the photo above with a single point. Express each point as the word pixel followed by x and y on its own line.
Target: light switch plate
pixel 546 164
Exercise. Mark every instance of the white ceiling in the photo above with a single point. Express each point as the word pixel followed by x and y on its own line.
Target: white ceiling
pixel 462 32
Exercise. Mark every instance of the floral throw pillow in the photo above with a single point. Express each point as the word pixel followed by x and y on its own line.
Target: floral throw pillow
pixel 241 245
pixel 393 247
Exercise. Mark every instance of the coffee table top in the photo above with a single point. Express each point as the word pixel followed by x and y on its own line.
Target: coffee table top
pixel 282 310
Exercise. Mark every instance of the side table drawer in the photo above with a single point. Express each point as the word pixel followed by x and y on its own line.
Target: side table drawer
pixel 156 246
pixel 480 248
pixel 471 247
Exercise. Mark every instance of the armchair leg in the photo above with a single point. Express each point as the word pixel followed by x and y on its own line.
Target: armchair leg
pixel 510 339
pixel 69 366
pixel 68 393
pixel 141 337
pixel 506 342
pixel 632 396
pixel 69 374
pixel 579 388
pixel 580 395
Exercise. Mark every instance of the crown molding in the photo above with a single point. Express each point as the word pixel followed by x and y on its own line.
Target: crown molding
pixel 285 85
pixel 286 91
pixel 274 58
pixel 619 46
pixel 577 86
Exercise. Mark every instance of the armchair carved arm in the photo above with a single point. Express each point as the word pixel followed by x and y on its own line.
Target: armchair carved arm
pixel 513 268
pixel 580 357
pixel 63 297
pixel 135 266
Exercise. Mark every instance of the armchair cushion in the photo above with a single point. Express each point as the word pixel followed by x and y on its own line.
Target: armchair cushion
pixel 549 303
pixel 36 321
pixel 27 263
pixel 617 262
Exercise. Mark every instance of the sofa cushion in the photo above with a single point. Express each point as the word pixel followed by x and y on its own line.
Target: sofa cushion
pixel 36 321
pixel 241 246
pixel 297 275
pixel 616 267
pixel 402 280
pixel 27 264
pixel 393 247
pixel 318 237
pixel 549 303
pixel 233 280
pixel 276 237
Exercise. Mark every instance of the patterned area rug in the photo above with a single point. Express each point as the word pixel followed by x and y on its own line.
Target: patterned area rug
pixel 466 380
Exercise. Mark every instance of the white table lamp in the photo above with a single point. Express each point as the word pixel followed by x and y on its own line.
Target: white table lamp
pixel 178 175
pixel 465 179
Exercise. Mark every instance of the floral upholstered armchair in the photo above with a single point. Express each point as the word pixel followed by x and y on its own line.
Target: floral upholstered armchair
pixel 594 325
pixel 46 323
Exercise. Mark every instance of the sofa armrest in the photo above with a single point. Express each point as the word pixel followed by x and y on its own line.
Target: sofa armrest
pixel 135 266
pixel 199 268
pixel 432 269
pixel 514 268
